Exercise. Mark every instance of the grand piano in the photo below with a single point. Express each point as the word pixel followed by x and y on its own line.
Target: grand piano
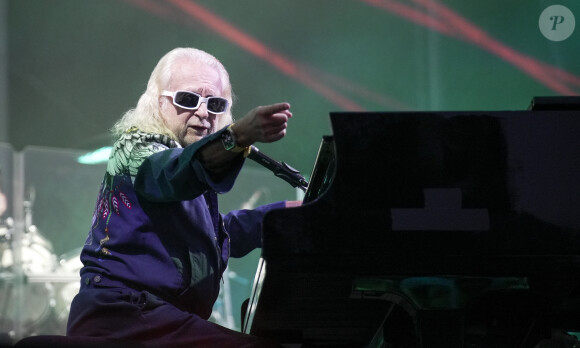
pixel 429 229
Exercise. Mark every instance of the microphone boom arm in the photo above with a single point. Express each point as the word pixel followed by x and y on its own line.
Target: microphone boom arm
pixel 280 169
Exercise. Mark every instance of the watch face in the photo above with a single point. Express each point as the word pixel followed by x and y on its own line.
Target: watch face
pixel 228 140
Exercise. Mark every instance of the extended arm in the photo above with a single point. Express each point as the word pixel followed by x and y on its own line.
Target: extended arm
pixel 264 124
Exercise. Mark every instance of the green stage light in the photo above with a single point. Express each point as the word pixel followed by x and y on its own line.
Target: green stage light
pixel 96 157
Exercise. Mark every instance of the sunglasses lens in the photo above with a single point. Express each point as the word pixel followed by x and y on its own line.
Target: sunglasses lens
pixel 217 105
pixel 187 100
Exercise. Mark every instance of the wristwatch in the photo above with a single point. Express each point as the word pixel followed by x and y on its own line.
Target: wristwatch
pixel 229 140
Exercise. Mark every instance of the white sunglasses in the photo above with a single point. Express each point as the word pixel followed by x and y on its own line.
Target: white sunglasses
pixel 191 101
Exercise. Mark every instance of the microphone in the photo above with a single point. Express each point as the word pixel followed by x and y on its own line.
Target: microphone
pixel 280 169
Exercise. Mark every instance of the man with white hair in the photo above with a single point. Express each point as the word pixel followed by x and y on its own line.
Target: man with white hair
pixel 158 245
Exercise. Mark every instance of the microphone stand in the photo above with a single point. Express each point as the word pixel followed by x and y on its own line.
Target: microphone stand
pixel 280 169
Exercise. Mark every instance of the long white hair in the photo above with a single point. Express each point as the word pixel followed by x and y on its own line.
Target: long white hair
pixel 147 114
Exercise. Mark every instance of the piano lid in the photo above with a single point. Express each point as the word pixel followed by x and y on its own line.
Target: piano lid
pixel 500 182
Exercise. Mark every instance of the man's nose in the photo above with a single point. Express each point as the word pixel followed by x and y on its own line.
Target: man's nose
pixel 202 110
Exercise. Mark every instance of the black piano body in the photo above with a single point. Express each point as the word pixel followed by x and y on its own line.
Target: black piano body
pixel 428 229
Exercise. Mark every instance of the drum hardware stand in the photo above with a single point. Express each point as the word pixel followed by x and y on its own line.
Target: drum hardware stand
pixel 16 281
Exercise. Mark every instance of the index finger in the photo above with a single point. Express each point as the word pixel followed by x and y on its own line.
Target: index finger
pixel 275 108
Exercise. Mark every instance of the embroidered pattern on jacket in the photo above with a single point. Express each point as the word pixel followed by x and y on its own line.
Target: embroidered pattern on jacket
pixel 128 153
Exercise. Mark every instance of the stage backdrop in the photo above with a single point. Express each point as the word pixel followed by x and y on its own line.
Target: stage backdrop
pixel 76 66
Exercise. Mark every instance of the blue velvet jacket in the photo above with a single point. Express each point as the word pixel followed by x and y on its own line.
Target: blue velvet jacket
pixel 156 225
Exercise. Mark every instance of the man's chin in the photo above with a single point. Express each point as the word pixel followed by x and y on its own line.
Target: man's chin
pixel 190 139
pixel 193 136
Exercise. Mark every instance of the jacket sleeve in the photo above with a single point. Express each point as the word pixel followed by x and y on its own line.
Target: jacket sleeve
pixel 245 228
pixel 175 174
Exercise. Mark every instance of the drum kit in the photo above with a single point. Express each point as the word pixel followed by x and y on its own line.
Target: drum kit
pixel 37 289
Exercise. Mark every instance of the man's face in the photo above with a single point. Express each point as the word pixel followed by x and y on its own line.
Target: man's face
pixel 191 125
